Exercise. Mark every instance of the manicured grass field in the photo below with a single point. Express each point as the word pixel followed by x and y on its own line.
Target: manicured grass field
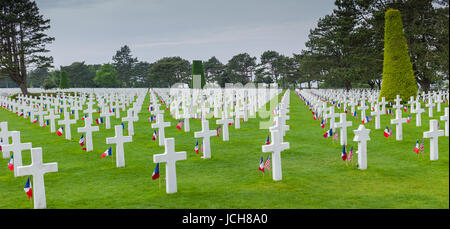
pixel 314 176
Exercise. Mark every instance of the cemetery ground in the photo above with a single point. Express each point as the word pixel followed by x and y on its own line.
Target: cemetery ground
pixel 314 175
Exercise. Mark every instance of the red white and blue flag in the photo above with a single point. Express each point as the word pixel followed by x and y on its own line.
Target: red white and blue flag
pixel 261 164
pixel 267 163
pixel 323 123
pixel 329 133
pixel 107 153
pixel 155 174
pixel 268 140
pixel 344 154
pixel 85 116
pixel 196 147
pixel 416 147
pixel 349 158
pixel 35 121
pixel 60 131
pixel 179 125
pixel 154 135
pixel 408 119
pixel 27 188
pixel 99 121
pixel 387 133
pixel 82 140
pixel 11 163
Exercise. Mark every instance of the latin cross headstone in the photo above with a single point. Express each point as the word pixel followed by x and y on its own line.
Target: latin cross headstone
pixel 51 116
pixel 430 106
pixel 343 124
pixel 37 169
pixel 67 122
pixel 88 129
pixel 418 111
pixel 130 119
pixel 170 157
pixel 433 135
pixel 160 124
pixel 206 133
pixel 377 113
pixel 119 140
pixel 16 147
pixel 224 122
pixel 445 119
pixel 4 137
pixel 276 147
pixel 362 136
pixel 398 121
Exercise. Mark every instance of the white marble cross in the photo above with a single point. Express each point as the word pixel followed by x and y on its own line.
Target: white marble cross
pixel 397 105
pixel 331 115
pixel 170 157
pixel 130 119
pixel 105 113
pixel 343 124
pixel 160 124
pixel 186 116
pixel 430 106
pixel 276 147
pixel 224 122
pixel 398 121
pixel 377 113
pixel 67 122
pixel 88 129
pixel 383 104
pixel 16 147
pixel 51 116
pixel 41 114
pixel 411 103
pixel 206 133
pixel 37 169
pixel 418 111
pixel 119 140
pixel 362 136
pixel 433 135
pixel 89 110
pixel 445 119
pixel 363 109
pixel 4 137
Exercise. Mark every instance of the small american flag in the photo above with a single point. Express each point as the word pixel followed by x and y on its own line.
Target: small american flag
pixel 421 146
pixel 267 163
pixel 335 137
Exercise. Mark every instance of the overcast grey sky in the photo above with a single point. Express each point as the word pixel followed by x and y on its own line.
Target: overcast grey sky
pixel 93 30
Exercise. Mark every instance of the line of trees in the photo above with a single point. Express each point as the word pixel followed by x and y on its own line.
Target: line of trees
pixel 345 49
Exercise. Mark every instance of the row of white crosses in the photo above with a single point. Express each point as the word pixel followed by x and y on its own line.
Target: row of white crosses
pixel 277 132
pixel 37 169
pixel 398 120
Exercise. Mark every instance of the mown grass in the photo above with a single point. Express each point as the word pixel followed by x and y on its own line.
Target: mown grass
pixel 314 176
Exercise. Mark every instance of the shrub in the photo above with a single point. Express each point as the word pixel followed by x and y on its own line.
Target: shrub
pixel 197 69
pixel 398 74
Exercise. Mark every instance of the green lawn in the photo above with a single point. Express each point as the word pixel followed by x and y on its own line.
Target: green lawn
pixel 314 176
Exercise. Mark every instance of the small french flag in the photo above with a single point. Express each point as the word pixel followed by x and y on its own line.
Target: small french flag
pixel 196 147
pixel 27 188
pixel 11 163
pixel 60 131
pixel 155 174
pixel 329 133
pixel 99 121
pixel 154 135
pixel 268 140
pixel 416 147
pixel 107 153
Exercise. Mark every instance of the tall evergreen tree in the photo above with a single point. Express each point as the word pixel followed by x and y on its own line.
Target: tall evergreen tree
pixel 124 64
pixel 22 40
pixel 63 82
